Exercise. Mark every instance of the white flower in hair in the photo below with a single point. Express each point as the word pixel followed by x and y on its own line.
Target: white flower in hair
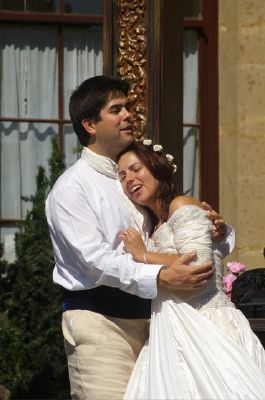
pixel 157 147
pixel 169 158
pixel 147 142
pixel 174 168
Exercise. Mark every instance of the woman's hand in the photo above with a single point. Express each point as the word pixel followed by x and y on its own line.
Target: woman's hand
pixel 134 243
pixel 219 227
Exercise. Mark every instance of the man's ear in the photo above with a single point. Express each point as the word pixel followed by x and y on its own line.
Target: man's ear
pixel 89 126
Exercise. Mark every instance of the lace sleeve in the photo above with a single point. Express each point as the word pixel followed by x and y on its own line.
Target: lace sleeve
pixel 192 231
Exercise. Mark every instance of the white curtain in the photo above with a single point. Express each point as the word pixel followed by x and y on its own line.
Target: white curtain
pixel 82 59
pixel 190 110
pixel 29 89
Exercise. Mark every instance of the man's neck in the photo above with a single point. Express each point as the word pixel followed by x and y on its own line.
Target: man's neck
pixel 102 152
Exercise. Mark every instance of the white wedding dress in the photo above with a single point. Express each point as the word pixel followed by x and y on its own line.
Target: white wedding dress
pixel 200 347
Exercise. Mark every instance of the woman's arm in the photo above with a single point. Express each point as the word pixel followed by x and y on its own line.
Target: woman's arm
pixel 160 258
pixel 135 245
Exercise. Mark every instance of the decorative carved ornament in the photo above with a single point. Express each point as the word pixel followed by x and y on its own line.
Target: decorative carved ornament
pixel 131 57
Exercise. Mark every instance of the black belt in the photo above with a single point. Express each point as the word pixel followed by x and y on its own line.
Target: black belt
pixel 108 301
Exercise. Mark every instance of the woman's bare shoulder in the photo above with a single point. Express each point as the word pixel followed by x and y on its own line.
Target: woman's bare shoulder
pixel 181 201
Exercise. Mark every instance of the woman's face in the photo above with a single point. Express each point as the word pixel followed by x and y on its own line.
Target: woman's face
pixel 136 179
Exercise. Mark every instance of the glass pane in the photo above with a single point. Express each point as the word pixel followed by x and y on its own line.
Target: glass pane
pixel 191 171
pixel 42 5
pixel 23 147
pixel 94 7
pixel 83 58
pixel 191 8
pixel 190 114
pixel 190 76
pixel 29 78
pixel 72 145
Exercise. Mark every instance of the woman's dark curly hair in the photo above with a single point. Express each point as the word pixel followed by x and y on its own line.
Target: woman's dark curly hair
pixel 161 170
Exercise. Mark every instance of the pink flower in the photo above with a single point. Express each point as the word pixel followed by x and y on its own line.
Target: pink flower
pixel 236 267
pixel 228 283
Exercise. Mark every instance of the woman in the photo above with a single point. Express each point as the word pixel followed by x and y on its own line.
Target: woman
pixel 200 346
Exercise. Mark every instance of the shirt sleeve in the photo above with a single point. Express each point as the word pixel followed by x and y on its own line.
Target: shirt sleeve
pixel 84 257
pixel 226 245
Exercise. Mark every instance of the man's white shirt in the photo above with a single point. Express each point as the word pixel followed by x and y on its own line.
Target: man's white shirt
pixel 86 210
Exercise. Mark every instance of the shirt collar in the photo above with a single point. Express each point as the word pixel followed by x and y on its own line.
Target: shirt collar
pixel 102 164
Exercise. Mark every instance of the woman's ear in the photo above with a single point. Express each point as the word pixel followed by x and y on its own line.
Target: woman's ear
pixel 89 126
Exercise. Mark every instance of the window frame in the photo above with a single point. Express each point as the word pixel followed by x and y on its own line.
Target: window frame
pixel 208 70
pixel 59 19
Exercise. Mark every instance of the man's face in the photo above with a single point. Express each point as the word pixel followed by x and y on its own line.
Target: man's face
pixel 113 132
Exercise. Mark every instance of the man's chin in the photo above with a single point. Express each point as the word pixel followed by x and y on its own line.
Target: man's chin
pixel 128 135
pixel 127 132
pixel 125 142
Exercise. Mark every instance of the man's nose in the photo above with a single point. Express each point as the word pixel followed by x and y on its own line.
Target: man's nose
pixel 126 114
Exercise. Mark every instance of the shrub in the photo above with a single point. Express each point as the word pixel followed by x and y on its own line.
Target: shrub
pixel 33 362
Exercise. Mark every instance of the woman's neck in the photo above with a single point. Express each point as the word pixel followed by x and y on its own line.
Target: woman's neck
pixel 156 207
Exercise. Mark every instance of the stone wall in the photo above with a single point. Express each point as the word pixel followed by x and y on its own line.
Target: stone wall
pixel 242 125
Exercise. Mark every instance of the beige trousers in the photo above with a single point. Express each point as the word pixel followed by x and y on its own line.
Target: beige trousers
pixel 101 352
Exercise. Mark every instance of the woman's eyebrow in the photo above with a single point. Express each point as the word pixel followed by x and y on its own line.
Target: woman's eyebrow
pixel 121 175
pixel 133 165
pixel 130 167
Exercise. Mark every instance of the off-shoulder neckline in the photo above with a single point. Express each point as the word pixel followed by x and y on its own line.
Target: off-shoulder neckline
pixel 185 206
pixel 176 212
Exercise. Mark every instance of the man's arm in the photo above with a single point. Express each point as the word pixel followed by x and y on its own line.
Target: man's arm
pixel 179 276
pixel 84 257
pixel 176 274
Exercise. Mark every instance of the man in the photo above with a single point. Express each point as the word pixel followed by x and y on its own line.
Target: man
pixel 106 293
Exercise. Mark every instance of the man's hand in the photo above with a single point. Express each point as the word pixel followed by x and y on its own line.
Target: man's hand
pixel 219 227
pixel 183 277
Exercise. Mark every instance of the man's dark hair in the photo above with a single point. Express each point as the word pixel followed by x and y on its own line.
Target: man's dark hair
pixel 90 97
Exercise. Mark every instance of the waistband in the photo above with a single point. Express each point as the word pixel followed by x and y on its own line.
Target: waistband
pixel 108 301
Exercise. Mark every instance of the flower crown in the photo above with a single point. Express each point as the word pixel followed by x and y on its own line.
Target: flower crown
pixel 158 148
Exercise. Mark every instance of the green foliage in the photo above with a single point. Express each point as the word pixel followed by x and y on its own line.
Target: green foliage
pixel 33 363
pixel 56 163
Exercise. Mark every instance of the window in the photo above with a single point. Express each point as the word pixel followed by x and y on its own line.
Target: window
pixel 183 90
pixel 47 48
pixel 200 85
